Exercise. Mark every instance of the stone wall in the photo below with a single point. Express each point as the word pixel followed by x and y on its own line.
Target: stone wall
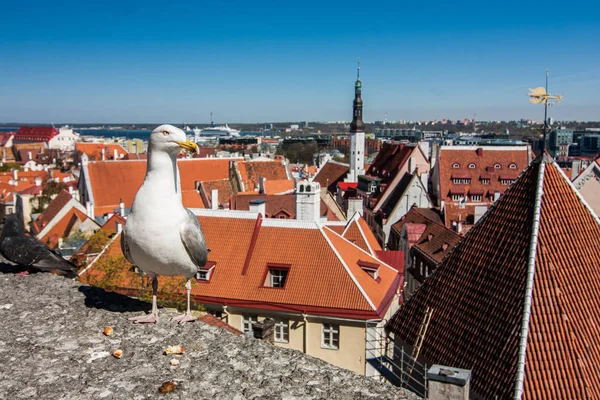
pixel 52 346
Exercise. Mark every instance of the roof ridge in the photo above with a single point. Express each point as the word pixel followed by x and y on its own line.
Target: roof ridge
pixel 535 229
pixel 337 253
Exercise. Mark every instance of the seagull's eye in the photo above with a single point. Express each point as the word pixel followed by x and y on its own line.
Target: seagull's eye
pixel 166 133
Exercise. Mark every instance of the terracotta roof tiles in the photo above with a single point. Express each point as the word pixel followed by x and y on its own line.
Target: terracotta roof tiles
pixel 331 173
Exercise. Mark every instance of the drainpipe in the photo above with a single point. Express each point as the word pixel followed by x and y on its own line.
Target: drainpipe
pixel 305 343
pixel 226 313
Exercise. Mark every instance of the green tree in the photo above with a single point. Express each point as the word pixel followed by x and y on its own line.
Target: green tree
pixel 49 191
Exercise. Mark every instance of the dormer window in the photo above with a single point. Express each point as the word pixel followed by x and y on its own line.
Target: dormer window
pixel 472 166
pixel 456 165
pixel 276 276
pixel 485 181
pixel 370 268
pixel 136 270
pixel 497 166
pixel 512 166
pixel 204 274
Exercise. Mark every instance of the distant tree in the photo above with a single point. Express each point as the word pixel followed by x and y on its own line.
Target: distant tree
pixel 98 240
pixel 10 166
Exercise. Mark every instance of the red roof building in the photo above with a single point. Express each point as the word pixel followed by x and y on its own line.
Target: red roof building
pixel 326 285
pixel 516 301
pixel 100 151
pixel 468 179
pixel 35 134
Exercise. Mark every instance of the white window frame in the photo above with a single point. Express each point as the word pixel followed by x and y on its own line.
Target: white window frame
pixel 282 330
pixel 208 274
pixel 476 197
pixel 472 165
pixel 456 197
pixel 485 181
pixel 277 277
pixel 330 334
pixel 248 321
pixel 512 166
pixel 456 165
pixel 497 166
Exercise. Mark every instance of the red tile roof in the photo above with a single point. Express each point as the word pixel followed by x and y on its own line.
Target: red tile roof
pixel 94 150
pixel 62 227
pixel 57 204
pixel 279 186
pixel 343 288
pixel 275 205
pixel 35 134
pixel 477 295
pixel 252 171
pixel 477 163
pixel 331 173
pixel 417 215
pixel 214 321
pixel 115 180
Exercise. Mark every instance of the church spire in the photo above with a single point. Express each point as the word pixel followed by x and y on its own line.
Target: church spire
pixel 357 124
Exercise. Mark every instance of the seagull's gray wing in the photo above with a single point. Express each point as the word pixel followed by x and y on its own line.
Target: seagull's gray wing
pixel 193 239
pixel 125 248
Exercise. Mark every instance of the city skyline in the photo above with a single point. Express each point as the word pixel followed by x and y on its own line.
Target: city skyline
pixel 146 62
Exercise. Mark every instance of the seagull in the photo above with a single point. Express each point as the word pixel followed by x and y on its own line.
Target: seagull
pixel 161 236
pixel 29 252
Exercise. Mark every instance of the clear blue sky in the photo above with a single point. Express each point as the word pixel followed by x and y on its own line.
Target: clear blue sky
pixel 251 61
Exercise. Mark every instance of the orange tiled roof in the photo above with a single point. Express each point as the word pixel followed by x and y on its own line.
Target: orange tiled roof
pixel 62 227
pixel 342 289
pixel 279 186
pixel 94 150
pixel 192 199
pixel 252 171
pixel 115 180
pixel 358 232
pixel 224 187
pixel 275 205
pixel 57 204
pixel 477 294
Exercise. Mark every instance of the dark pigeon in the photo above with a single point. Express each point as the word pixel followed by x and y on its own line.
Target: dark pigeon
pixel 29 252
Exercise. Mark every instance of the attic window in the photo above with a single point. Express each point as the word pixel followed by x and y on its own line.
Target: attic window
pixel 471 165
pixel 497 166
pixel 512 166
pixel 456 165
pixel 370 268
pixel 276 275
pixel 205 273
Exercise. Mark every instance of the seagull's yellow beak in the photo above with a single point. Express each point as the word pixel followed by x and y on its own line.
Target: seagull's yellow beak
pixel 189 145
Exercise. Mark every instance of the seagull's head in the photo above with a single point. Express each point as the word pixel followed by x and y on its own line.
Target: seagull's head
pixel 171 140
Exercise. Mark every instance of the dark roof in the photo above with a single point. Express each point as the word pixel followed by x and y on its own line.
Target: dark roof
pixel 331 173
pixel 437 241
pixel 478 292
pixel 397 192
pixel 418 215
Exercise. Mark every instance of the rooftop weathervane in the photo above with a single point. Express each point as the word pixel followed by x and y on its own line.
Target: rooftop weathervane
pixel 540 95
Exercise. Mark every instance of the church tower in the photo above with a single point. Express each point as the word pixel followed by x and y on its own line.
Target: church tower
pixel 357 134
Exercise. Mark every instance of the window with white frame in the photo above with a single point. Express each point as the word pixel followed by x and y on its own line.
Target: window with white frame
pixel 456 197
pixel 282 330
pixel 485 181
pixel 205 273
pixel 472 165
pixel 456 165
pixel 507 181
pixel 248 320
pixel 497 166
pixel 276 277
pixel 475 197
pixel 330 336
pixel 512 166
pixel 461 181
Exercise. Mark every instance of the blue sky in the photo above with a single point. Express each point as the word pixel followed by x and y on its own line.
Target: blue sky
pixel 255 61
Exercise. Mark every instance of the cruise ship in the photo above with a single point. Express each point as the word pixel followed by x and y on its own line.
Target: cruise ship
pixel 217 131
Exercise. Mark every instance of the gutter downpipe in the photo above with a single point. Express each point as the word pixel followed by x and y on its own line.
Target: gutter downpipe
pixel 305 318
pixel 520 378
pixel 226 313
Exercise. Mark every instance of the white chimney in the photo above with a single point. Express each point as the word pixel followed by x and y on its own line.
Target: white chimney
pixel 29 155
pixel 15 174
pixel 214 199
pixel 71 190
pixel 103 155
pixel 121 208
pixel 496 196
pixel 261 185
pixel 38 181
pixel 119 227
pixel 308 201
pixel 258 206
pixel 60 243
pixel 115 155
pixel 89 207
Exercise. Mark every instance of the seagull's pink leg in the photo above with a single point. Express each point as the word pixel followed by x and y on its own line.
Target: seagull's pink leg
pixel 151 318
pixel 23 273
pixel 187 317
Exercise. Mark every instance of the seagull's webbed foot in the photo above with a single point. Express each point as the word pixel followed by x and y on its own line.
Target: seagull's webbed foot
pixel 22 273
pixel 183 318
pixel 151 318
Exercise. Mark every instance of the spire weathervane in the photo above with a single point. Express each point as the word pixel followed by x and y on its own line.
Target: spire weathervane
pixel 540 95
pixel 358 68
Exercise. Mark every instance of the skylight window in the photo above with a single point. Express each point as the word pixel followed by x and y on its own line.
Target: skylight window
pixel 512 166
pixel 472 165
pixel 370 268
pixel 277 276
pixel 456 165
pixel 204 274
